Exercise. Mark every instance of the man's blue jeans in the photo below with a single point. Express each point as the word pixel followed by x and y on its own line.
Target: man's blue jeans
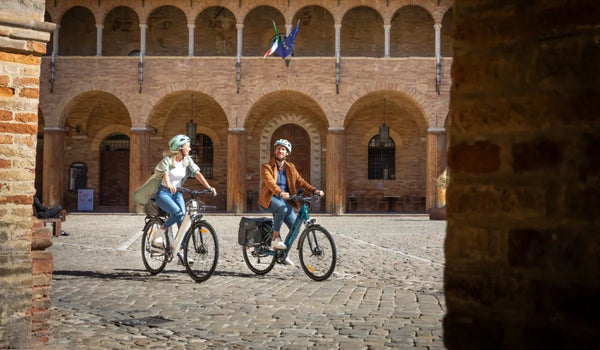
pixel 282 212
pixel 173 204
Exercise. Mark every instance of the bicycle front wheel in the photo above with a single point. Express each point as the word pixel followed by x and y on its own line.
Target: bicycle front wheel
pixel 201 251
pixel 317 253
pixel 153 256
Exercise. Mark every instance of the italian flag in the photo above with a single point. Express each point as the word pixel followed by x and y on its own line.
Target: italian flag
pixel 275 43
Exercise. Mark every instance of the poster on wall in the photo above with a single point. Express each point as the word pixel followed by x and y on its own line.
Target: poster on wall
pixel 85 200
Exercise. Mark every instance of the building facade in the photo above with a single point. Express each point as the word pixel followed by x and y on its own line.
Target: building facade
pixel 120 78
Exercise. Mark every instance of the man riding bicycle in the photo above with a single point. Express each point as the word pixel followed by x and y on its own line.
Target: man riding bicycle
pixel 279 179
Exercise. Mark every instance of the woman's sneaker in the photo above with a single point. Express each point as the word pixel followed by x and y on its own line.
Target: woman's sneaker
pixel 157 237
pixel 278 244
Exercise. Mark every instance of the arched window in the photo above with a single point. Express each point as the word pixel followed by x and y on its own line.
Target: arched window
pixel 202 154
pixel 382 159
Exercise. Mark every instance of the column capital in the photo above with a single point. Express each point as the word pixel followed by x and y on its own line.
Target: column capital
pixel 239 26
pixel 387 26
pixel 336 129
pixel 191 26
pixel 337 26
pixel 99 26
pixel 436 130
pixel 236 130
pixel 53 129
pixel 143 26
pixel 437 26
pixel 140 129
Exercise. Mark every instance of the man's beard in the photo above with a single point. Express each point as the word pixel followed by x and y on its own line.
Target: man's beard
pixel 280 159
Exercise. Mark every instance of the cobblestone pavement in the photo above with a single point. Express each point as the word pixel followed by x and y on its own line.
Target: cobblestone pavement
pixel 386 290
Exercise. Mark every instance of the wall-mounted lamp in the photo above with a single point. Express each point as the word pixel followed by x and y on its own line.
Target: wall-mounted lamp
pixel 68 129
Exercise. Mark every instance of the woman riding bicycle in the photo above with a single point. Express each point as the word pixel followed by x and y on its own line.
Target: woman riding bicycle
pixel 172 171
pixel 279 179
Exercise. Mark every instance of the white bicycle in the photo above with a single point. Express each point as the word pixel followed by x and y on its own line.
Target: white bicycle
pixel 199 239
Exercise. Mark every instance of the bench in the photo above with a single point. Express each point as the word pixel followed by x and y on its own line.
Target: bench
pixel 56 223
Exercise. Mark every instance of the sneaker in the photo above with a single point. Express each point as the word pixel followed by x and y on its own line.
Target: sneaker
pixel 288 262
pixel 278 244
pixel 157 238
pixel 180 261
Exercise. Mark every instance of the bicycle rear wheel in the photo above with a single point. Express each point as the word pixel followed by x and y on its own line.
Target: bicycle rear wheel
pixel 202 247
pixel 154 258
pixel 317 253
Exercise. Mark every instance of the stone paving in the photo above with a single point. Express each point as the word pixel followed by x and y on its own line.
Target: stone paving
pixel 386 291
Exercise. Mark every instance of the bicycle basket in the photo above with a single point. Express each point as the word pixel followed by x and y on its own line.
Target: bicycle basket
pixel 251 231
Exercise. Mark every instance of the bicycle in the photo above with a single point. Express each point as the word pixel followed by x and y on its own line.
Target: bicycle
pixel 199 239
pixel 316 248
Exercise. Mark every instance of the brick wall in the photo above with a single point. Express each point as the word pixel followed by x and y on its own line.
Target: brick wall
pixel 522 268
pixel 22 41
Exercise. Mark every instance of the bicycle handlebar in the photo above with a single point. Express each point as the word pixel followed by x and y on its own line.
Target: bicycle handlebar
pixel 194 192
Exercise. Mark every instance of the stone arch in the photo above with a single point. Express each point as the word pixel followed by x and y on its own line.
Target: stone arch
pixel 313 133
pixel 106 131
pixel 411 94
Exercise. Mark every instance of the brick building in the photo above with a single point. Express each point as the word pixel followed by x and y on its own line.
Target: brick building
pixel 120 78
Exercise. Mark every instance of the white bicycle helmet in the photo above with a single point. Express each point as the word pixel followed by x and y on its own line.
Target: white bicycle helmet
pixel 178 141
pixel 285 143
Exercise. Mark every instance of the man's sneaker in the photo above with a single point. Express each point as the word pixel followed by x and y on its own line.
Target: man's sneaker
pixel 180 261
pixel 278 244
pixel 288 261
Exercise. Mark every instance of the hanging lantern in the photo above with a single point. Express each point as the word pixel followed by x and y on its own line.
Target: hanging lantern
pixel 384 131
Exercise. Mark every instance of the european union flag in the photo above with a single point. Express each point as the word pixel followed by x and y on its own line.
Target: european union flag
pixel 286 47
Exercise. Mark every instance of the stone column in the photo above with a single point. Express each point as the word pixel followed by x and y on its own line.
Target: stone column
pixel 240 36
pixel 143 28
pixel 435 163
pixel 55 40
pixel 139 162
pixel 335 188
pixel 438 41
pixel 288 29
pixel 236 171
pixel 191 28
pixel 338 38
pixel 386 29
pixel 99 28
pixel 53 181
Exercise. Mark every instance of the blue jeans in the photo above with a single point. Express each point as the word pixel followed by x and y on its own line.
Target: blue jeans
pixel 282 212
pixel 173 204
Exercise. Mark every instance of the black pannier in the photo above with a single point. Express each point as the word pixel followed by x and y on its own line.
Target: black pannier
pixel 152 209
pixel 252 229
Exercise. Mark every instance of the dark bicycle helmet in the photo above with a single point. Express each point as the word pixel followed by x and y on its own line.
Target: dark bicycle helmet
pixel 178 141
pixel 285 143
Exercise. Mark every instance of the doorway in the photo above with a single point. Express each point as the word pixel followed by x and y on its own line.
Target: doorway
pixel 114 171
pixel 301 147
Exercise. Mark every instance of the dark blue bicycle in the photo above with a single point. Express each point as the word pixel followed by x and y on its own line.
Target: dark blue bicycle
pixel 316 248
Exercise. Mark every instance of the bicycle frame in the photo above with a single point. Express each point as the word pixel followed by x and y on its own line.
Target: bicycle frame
pixel 302 217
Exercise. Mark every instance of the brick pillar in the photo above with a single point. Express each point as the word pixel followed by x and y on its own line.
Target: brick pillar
pixel 436 162
pixel 23 37
pixel 236 171
pixel 139 163
pixel 335 192
pixel 53 181
pixel 523 245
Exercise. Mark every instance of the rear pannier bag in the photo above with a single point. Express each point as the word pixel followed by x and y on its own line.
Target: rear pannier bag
pixel 251 230
pixel 152 209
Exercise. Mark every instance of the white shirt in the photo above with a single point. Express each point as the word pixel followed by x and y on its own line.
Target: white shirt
pixel 176 174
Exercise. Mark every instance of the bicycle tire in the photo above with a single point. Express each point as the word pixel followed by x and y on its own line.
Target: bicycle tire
pixel 155 259
pixel 201 244
pixel 317 252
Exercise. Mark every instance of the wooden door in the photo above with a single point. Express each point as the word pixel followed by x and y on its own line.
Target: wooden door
pixel 300 141
pixel 114 178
